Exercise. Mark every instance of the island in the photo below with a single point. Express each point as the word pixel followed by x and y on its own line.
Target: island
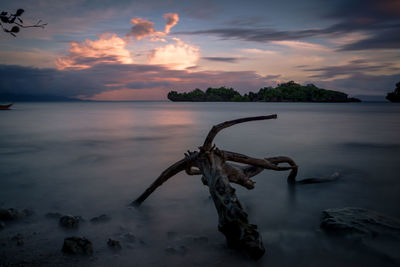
pixel 284 92
pixel 395 95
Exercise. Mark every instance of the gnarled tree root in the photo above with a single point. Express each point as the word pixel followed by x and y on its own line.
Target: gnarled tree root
pixel 218 170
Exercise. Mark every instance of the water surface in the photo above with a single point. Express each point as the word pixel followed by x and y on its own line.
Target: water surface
pixel 93 158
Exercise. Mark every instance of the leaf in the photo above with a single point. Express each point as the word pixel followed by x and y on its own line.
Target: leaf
pixel 4 19
pixel 19 12
pixel 15 29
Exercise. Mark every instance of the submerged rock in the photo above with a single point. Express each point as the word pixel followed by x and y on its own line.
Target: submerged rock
pixel 114 244
pixel 14 214
pixel 69 221
pixel 19 239
pixel 100 219
pixel 77 246
pixel 374 232
pixel 358 221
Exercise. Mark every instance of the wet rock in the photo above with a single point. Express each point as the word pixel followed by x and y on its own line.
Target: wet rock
pixel 69 221
pixel 100 219
pixel 77 246
pixel 53 215
pixel 176 250
pixel 129 237
pixel 14 214
pixel 361 222
pixel 114 244
pixel 19 239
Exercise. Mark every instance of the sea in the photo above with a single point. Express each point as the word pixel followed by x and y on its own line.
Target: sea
pixel 92 158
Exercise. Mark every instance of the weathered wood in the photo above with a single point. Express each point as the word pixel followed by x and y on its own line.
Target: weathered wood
pixel 217 128
pixel 232 221
pixel 218 170
pixel 164 176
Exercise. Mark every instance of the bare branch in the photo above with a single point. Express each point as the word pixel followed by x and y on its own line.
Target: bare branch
pixel 164 176
pixel 217 128
pixel 263 163
pixel 293 173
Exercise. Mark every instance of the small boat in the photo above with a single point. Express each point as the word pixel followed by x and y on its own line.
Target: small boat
pixel 5 106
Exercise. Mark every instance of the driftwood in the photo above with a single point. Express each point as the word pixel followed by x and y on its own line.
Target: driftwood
pixel 218 171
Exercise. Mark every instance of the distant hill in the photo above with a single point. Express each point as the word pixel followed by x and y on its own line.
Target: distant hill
pixel 285 92
pixel 7 97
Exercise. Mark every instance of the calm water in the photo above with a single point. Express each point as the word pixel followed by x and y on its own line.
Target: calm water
pixel 93 158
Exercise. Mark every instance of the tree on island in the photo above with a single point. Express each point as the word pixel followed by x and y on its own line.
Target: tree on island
pixel 395 95
pixel 13 22
pixel 284 92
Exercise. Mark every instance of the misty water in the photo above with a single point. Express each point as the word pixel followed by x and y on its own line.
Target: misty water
pixel 87 159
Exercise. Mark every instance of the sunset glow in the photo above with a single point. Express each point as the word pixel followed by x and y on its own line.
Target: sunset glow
pixel 341 47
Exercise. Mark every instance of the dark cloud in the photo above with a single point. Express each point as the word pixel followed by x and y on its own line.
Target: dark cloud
pixel 222 59
pixel 144 85
pixel 106 77
pixel 361 84
pixel 353 67
pixel 379 20
pixel 257 35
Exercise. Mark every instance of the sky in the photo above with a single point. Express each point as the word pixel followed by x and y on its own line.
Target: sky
pixel 141 50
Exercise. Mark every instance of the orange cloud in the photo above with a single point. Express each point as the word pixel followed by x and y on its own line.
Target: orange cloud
pixel 172 20
pixel 109 48
pixel 175 56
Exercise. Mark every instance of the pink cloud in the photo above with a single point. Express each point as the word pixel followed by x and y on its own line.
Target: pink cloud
pixel 172 20
pixel 143 28
pixel 109 48
pixel 178 55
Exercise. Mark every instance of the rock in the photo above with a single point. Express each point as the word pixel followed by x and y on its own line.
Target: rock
pixel 14 214
pixel 100 219
pixel 77 246
pixel 114 244
pixel 19 239
pixel 69 221
pixel 53 215
pixel 179 250
pixel 361 222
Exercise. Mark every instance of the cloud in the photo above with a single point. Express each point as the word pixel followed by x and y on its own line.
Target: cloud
pixel 258 51
pixel 377 20
pixel 354 67
pixel 362 84
pixel 302 45
pixel 178 55
pixel 141 28
pixel 222 59
pixel 172 20
pixel 109 48
pixel 111 80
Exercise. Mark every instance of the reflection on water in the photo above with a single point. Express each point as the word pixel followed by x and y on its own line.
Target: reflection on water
pixel 93 158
